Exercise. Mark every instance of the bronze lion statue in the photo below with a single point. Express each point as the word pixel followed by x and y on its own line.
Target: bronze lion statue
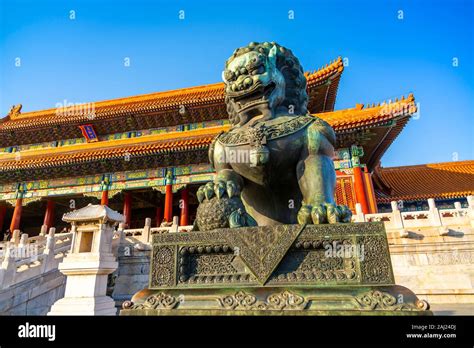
pixel 274 166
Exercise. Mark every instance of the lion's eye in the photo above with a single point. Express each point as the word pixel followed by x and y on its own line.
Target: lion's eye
pixel 229 75
pixel 258 70
pixel 255 63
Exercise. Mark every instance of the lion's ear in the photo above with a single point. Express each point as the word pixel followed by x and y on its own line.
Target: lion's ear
pixel 272 56
pixel 223 76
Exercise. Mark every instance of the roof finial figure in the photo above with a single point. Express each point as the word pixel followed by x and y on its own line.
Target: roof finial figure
pixel 15 110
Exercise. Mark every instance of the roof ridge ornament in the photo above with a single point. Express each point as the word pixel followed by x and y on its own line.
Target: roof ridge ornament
pixel 15 111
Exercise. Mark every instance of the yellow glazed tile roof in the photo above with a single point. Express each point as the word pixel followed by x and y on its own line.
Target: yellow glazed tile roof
pixel 211 94
pixel 420 182
pixel 146 145
pixel 175 141
pixel 361 117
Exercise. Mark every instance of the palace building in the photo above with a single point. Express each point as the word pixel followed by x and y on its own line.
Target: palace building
pixel 146 155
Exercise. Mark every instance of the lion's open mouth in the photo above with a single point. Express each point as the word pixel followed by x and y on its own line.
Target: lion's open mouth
pixel 255 96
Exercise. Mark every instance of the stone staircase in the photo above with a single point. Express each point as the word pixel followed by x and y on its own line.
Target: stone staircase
pixel 29 278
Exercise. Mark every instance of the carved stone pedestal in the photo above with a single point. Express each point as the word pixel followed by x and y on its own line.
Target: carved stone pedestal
pixel 89 262
pixel 278 301
pixel 341 269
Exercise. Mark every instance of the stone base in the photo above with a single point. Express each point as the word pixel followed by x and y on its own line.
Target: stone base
pixel 380 300
pixel 102 305
pixel 132 274
pixel 339 269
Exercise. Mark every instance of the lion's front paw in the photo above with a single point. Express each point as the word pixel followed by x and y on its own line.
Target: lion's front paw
pixel 220 206
pixel 323 214
pixel 304 215
pixel 217 189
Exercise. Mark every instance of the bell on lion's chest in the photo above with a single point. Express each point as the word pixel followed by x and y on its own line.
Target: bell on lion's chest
pixel 259 156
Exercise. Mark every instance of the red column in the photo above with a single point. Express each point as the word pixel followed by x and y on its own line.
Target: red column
pixel 105 198
pixel 49 214
pixel 183 204
pixel 372 201
pixel 168 217
pixel 159 216
pixel 127 208
pixel 360 190
pixel 15 224
pixel 3 211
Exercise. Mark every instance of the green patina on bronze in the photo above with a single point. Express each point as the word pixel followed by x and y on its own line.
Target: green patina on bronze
pixel 381 300
pixel 299 269
pixel 317 255
pixel 301 259
pixel 276 155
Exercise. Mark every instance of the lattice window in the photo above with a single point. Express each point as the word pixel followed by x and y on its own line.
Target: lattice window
pixel 345 193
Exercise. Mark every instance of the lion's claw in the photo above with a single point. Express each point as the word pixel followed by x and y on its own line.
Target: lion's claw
pixel 323 213
pixel 219 189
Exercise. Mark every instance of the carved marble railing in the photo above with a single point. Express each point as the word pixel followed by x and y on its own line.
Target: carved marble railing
pixel 396 220
pixel 143 235
pixel 433 217
pixel 432 251
pixel 23 258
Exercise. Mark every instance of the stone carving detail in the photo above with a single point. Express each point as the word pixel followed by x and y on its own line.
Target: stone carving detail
pixel 212 264
pixel 376 268
pixel 262 248
pixel 158 301
pixel 372 228
pixel 162 271
pixel 270 132
pixel 272 255
pixel 285 300
pixel 379 300
pixel 190 238
pixel 452 257
pixel 307 262
pixel 208 264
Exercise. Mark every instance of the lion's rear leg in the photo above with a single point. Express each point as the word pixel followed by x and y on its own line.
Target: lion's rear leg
pixel 317 181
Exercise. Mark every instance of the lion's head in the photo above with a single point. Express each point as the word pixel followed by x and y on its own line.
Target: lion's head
pixel 263 80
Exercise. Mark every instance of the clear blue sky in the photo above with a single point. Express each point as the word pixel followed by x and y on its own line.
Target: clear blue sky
pixel 82 60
